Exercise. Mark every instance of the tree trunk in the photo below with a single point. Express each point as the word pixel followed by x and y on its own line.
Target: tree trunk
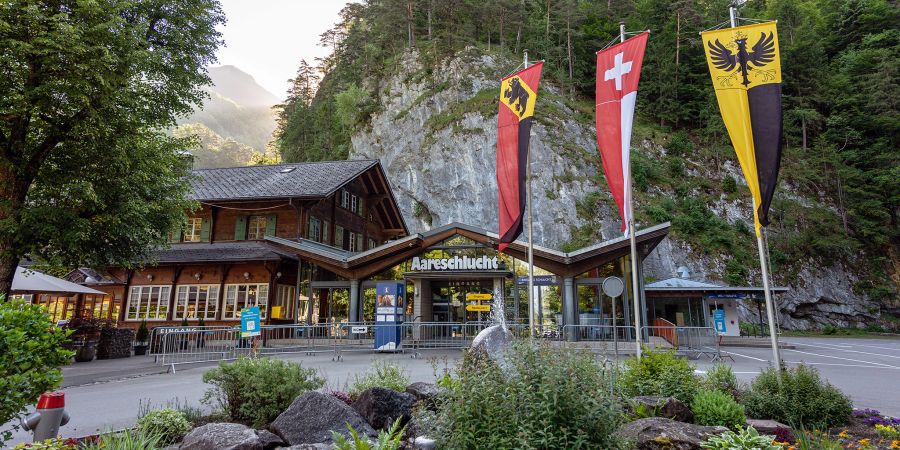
pixel 501 31
pixel 430 7
pixel 518 37
pixel 569 52
pixel 409 24
pixel 547 28
pixel 13 190
pixel 803 127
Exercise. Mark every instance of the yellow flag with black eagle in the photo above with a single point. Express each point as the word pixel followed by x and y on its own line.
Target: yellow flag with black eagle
pixel 745 66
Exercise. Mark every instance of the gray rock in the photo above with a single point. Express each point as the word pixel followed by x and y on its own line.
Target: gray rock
pixel 381 407
pixel 659 433
pixel 668 407
pixel 221 436
pixel 768 426
pixel 424 392
pixel 492 342
pixel 424 443
pixel 309 447
pixel 313 416
pixel 269 440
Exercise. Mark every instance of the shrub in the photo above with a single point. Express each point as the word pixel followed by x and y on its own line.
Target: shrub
pixel 257 390
pixel 729 184
pixel 539 397
pixel 718 408
pixel 721 378
pixel 31 355
pixel 125 440
pixel 383 374
pixel 387 439
pixel 659 373
pixel 801 399
pixel 49 444
pixel 169 424
pixel 142 333
pixel 746 439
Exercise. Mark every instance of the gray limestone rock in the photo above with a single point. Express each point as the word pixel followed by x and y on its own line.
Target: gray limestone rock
pixel 269 440
pixel 769 427
pixel 313 416
pixel 426 393
pixel 668 407
pixel 492 342
pixel 381 407
pixel 659 433
pixel 221 436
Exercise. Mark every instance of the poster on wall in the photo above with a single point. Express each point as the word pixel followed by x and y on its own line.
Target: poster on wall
pixel 389 308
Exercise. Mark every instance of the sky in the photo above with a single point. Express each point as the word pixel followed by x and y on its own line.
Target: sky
pixel 268 38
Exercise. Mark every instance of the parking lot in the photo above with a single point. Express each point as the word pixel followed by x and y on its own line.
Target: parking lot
pixel 104 395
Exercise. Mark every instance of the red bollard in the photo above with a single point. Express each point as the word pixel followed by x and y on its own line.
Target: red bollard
pixel 50 414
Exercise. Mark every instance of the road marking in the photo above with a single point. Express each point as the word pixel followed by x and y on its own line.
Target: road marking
pixel 748 357
pixel 857 351
pixel 840 365
pixel 894 349
pixel 845 359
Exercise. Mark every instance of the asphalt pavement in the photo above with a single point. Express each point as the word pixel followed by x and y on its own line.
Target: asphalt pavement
pixel 106 395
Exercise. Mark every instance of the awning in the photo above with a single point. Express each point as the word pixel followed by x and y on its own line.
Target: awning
pixel 30 281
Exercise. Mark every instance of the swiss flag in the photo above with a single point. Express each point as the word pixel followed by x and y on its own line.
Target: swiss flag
pixel 618 73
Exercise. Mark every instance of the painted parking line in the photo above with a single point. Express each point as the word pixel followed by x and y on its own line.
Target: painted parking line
pixel 842 358
pixel 893 349
pixel 833 347
pixel 807 363
pixel 746 356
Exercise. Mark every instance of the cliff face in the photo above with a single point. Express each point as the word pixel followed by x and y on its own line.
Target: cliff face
pixel 435 134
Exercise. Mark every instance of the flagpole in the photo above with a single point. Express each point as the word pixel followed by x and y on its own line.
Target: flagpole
pixel 531 297
pixel 763 264
pixel 635 286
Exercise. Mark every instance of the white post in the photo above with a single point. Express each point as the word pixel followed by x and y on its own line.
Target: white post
pixel 532 309
pixel 732 15
pixel 770 305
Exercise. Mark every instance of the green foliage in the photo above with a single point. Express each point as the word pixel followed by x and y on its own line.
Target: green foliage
pixel 721 378
pixel 712 407
pixel 31 355
pixel 680 144
pixel 88 175
pixel 142 332
pixel 659 372
pixel 729 184
pixel 169 424
pixel 257 390
pixel 541 397
pixel 125 440
pixel 49 444
pixel 744 439
pixel 389 439
pixel 800 398
pixel 382 374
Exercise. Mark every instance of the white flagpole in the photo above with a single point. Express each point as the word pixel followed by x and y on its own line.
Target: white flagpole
pixel 763 264
pixel 635 286
pixel 531 297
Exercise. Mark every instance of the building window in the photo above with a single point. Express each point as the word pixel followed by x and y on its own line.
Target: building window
pixel 352 243
pixel 148 303
pixel 99 307
pixel 372 244
pixel 338 236
pixel 192 232
pixel 325 232
pixel 354 203
pixel 256 227
pixel 239 296
pixel 345 199
pixel 284 302
pixel 59 307
pixel 359 242
pixel 23 297
pixel 197 301
pixel 315 229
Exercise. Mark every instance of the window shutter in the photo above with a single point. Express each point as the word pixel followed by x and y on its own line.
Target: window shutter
pixel 240 228
pixel 204 230
pixel 175 235
pixel 270 224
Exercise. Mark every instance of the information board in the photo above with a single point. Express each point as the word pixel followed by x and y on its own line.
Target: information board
pixel 250 321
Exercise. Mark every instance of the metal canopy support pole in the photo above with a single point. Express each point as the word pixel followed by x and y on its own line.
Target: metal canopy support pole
pixel 531 309
pixel 354 301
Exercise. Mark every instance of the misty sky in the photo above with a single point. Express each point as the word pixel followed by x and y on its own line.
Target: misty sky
pixel 268 38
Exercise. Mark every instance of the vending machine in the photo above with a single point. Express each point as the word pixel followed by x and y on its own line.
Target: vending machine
pixel 389 312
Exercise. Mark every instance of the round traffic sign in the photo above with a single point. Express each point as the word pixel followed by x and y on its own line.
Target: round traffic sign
pixel 613 286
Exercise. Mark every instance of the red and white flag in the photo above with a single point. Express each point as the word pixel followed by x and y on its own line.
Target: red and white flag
pixel 618 73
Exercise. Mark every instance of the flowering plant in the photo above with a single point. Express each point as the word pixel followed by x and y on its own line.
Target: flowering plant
pixel 50 444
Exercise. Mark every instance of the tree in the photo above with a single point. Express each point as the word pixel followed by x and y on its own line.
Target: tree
pixel 87 174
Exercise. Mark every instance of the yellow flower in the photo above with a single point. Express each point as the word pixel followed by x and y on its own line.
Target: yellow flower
pixel 895 444
pixel 844 434
pixel 865 442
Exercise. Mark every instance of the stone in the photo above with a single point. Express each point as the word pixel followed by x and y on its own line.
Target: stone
pixel 221 436
pixel 309 447
pixel 769 427
pixel 313 416
pixel 424 443
pixel 426 393
pixel 269 440
pixel 492 342
pixel 115 343
pixel 381 407
pixel 659 433
pixel 668 407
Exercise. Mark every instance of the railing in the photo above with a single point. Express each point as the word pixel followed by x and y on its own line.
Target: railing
pixel 692 341
pixel 666 330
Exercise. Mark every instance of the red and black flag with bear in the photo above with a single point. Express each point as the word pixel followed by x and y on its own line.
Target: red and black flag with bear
pixel 518 95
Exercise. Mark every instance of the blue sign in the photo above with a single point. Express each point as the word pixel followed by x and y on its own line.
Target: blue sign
pixel 719 320
pixel 735 296
pixel 250 322
pixel 539 280
pixel 390 305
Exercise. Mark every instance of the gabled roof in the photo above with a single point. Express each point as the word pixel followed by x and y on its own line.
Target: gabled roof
pixel 687 284
pixel 297 180
pixel 221 252
pixel 29 281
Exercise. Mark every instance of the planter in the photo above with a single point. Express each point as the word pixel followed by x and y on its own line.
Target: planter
pixel 140 350
pixel 86 352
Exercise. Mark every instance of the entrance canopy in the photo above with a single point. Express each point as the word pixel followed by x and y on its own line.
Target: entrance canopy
pixel 362 265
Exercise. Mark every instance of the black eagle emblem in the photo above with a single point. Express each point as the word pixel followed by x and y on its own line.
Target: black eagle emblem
pixel 517 96
pixel 763 53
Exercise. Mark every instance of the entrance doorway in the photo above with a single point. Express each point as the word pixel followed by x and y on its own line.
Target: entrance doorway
pixel 330 305
pixel 448 299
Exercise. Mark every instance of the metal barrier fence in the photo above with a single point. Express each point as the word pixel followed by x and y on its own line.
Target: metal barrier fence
pixel 180 345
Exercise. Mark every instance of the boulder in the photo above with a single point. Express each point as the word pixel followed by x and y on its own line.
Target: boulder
pixel 492 342
pixel 659 433
pixel 269 440
pixel 221 436
pixel 769 427
pixel 381 407
pixel 426 393
pixel 313 416
pixel 668 407
pixel 308 447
